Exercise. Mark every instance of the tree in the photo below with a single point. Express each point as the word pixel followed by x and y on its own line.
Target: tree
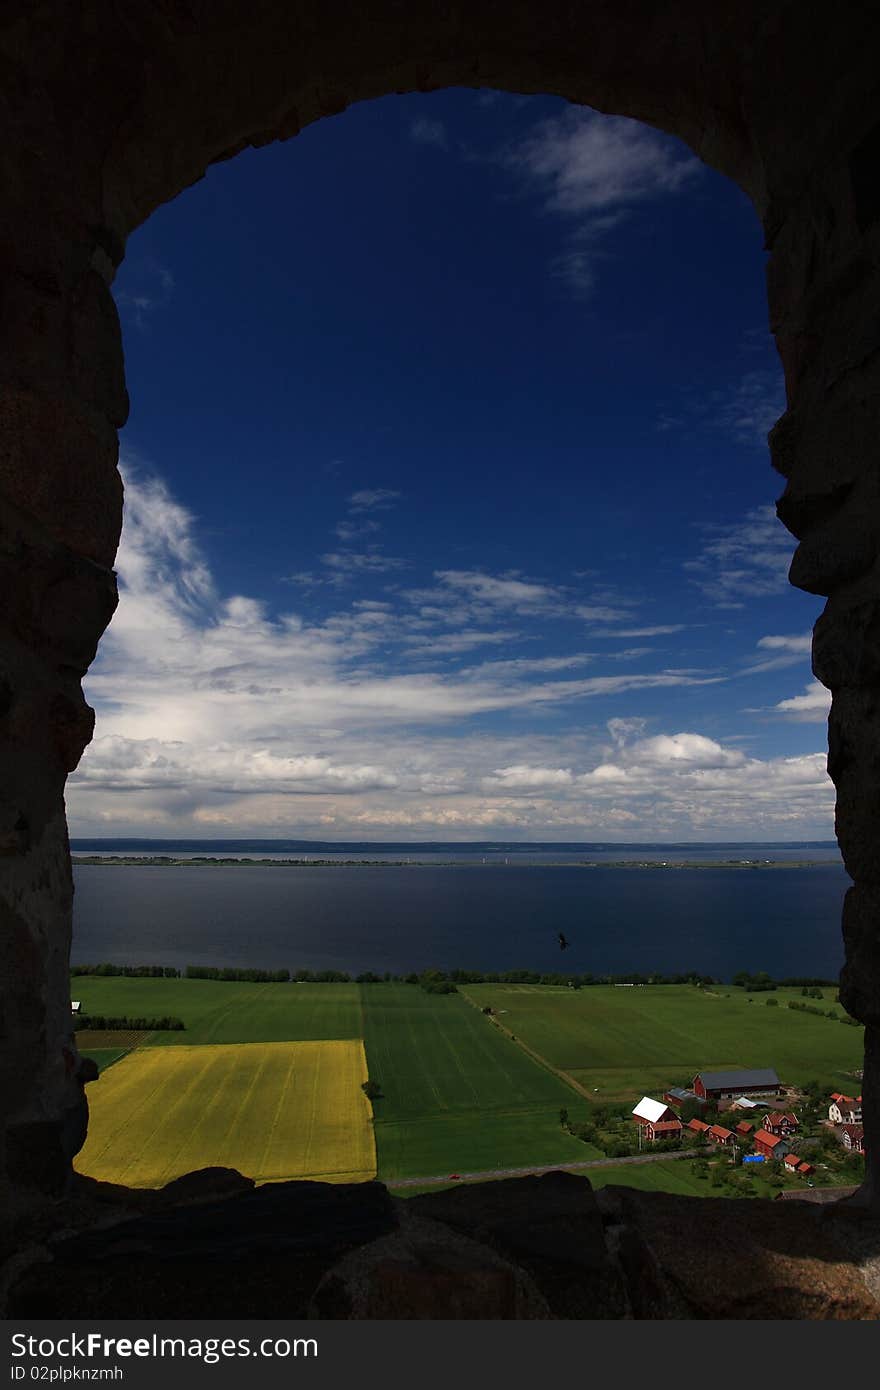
pixel 371 1089
pixel 563 1117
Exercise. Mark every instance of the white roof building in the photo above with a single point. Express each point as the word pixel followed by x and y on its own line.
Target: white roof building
pixel 74 1006
pixel 650 1110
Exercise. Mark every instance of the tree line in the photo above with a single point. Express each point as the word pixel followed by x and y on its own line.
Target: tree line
pixel 122 1023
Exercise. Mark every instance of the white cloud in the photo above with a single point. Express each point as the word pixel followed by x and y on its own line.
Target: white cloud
pixel 213 713
pixel 500 591
pixel 811 707
pixel 362 562
pixel 745 560
pixel 373 499
pixel 523 778
pixel 800 643
pixel 790 651
pixel 660 630
pixel 743 411
pixel 593 170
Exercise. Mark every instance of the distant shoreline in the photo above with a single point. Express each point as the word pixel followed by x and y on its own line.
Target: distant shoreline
pixel 161 861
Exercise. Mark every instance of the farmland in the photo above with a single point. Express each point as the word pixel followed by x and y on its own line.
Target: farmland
pixel 271 1110
pixel 457 1090
pixel 626 1042
pixel 229 1012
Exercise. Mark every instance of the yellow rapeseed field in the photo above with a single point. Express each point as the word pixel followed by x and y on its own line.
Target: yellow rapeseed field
pixel 272 1110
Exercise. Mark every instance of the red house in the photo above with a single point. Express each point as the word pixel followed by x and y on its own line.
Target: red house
pixel 806 1169
pixel 770 1145
pixel 698 1126
pixel 656 1119
pixel 745 1129
pixel 778 1123
pixel 852 1137
pixel 719 1135
pixel 792 1162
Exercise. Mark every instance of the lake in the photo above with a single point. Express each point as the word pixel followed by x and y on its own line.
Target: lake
pixel 465 912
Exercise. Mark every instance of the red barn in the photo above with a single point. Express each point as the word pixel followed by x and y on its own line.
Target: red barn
pixel 727 1085
pixel 745 1129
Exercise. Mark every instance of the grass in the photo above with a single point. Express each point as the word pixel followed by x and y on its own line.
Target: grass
pixel 629 1042
pixel 271 1110
pixel 217 1011
pixel 104 1057
pixel 456 1094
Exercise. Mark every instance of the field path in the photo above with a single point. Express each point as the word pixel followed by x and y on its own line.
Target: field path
pixel 546 1168
pixel 530 1052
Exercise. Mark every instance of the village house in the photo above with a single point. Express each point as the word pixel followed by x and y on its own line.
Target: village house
pixel 719 1135
pixel 775 1122
pixel 75 1006
pixel 770 1145
pixel 792 1162
pixel 657 1120
pixel 845 1110
pixel 852 1137
pixel 744 1129
pixel 805 1168
pixel 697 1126
pixel 728 1085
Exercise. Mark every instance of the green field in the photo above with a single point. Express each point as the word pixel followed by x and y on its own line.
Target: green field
pixel 104 1057
pixel 628 1042
pixel 226 1011
pixel 456 1094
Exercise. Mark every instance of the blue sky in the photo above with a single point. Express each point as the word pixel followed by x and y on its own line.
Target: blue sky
pixel 449 510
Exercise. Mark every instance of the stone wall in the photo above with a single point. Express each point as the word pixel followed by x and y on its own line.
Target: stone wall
pixel 111 110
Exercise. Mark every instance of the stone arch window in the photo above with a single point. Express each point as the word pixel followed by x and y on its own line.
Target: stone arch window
pixel 111 114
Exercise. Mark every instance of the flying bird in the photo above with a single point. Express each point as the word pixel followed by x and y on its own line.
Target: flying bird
pixel 563 943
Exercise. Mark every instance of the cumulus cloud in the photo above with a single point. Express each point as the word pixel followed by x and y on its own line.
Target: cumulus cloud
pixel 214 712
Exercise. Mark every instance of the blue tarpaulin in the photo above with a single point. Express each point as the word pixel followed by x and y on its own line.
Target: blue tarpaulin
pixel 753 1158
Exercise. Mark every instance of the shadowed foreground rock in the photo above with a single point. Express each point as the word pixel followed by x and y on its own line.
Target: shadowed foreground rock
pixel 526 1248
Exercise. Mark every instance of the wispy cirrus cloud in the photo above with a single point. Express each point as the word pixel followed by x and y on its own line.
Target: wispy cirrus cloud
pixel 744 560
pixel 373 499
pixel 742 412
pixel 592 170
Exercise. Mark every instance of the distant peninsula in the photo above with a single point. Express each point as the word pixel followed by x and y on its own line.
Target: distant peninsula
pixel 167 861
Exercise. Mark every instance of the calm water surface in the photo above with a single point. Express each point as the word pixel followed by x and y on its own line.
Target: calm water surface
pixel 476 915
